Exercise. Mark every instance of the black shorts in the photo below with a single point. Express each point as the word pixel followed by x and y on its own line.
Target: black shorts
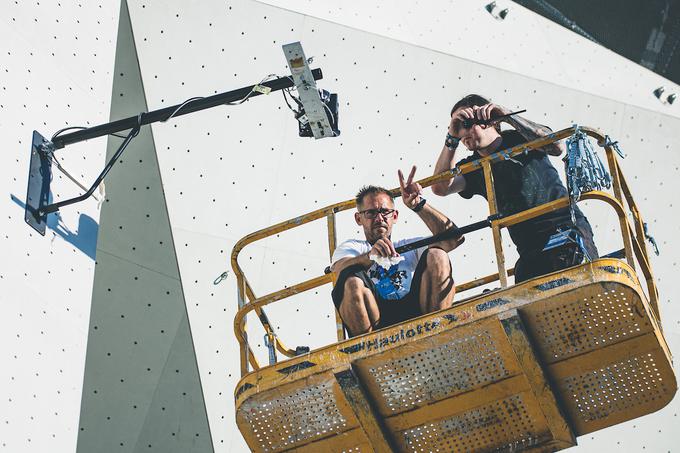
pixel 391 311
pixel 535 261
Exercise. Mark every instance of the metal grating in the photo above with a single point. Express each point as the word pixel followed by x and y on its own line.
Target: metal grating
pixel 448 369
pixel 304 414
pixel 588 323
pixel 501 425
pixel 633 382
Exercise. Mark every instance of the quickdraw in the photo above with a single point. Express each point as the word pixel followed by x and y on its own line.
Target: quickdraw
pixel 584 169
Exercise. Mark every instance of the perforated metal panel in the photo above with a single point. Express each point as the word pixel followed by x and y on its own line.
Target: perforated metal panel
pixel 636 381
pixel 504 424
pixel 580 321
pixel 295 416
pixel 351 441
pixel 477 386
pixel 454 367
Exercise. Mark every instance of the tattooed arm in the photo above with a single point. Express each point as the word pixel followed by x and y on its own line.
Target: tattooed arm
pixel 528 129
pixel 532 131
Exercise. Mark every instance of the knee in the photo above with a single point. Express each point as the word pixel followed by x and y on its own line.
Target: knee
pixel 354 288
pixel 353 284
pixel 438 259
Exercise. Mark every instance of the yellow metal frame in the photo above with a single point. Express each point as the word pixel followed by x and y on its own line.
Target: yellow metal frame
pixel 529 367
pixel 621 201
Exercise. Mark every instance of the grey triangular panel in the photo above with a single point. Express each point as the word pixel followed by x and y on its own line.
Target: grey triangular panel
pixel 142 389
pixel 173 402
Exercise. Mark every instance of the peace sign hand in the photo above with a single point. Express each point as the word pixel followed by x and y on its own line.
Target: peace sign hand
pixel 410 191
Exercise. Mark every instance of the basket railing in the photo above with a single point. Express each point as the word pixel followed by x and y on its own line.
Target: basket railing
pixel 621 201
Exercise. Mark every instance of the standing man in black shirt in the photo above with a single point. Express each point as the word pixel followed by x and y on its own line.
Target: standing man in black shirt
pixel 526 181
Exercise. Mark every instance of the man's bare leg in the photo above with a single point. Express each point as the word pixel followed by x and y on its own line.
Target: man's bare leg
pixel 436 285
pixel 358 309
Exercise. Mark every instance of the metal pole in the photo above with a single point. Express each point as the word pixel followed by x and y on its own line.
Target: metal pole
pixel 175 110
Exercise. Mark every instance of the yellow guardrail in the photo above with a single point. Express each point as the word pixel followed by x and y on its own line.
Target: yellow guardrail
pixel 621 201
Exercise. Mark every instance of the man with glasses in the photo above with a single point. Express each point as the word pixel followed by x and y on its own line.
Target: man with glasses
pixel 376 287
pixel 520 183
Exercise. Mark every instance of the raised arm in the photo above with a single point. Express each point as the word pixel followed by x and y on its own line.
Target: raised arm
pixel 436 222
pixel 446 161
pixel 531 131
pixel 527 128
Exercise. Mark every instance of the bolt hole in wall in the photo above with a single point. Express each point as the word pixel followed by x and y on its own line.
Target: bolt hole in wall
pixel 231 172
pixel 55 72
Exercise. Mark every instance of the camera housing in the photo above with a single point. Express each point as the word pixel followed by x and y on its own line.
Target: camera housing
pixel 331 107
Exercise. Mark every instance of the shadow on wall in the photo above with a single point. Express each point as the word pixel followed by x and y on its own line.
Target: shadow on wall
pixel 85 236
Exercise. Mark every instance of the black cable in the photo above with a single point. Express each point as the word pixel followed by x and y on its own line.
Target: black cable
pixel 68 175
pixel 332 117
pixel 182 105
pixel 132 134
pixel 250 93
pixel 60 131
pixel 283 92
pixel 64 130
pixel 293 97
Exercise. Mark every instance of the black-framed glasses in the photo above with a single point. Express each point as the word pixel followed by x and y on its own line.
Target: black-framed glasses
pixel 373 213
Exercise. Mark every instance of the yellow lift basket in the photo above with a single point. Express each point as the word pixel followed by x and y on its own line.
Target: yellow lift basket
pixel 525 367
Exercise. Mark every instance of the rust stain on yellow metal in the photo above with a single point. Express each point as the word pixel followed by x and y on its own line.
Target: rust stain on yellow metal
pixel 582 325
pixel 526 367
pixel 332 244
pixel 495 228
pixel 522 346
pixel 350 441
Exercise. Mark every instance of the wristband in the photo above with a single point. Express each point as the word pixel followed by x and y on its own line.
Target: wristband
pixel 419 206
pixel 451 142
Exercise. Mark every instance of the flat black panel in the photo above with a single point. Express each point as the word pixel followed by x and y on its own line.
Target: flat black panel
pixel 39 178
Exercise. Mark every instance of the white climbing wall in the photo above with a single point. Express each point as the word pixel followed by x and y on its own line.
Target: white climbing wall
pixel 141 389
pixel 397 66
pixel 56 69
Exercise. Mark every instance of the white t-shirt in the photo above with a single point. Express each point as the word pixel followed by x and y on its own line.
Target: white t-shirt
pixel 393 283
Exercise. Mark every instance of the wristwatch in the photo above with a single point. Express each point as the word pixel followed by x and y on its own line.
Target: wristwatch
pixel 451 142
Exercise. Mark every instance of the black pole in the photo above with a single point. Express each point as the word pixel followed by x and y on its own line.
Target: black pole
pixel 55 206
pixel 163 114
pixel 451 233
